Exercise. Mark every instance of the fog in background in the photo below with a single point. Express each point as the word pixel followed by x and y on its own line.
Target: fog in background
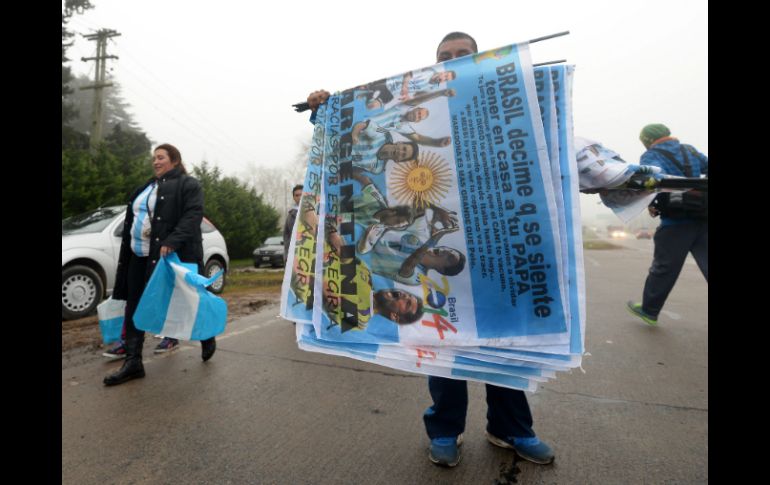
pixel 217 79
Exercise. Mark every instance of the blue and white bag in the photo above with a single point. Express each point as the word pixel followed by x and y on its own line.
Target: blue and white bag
pixel 111 313
pixel 175 303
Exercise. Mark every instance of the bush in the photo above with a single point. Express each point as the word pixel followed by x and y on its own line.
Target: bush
pixel 237 211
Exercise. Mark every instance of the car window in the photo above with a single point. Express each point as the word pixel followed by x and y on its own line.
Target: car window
pixel 207 226
pixel 118 232
pixel 274 241
pixel 92 221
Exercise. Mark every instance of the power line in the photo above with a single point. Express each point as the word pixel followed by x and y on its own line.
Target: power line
pixel 82 23
pixel 230 143
pixel 231 146
pixel 171 117
pixel 225 136
pixel 201 136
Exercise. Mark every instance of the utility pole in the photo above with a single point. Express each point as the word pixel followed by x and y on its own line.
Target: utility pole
pixel 100 78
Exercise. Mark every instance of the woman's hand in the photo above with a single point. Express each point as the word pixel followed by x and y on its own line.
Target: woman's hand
pixel 166 250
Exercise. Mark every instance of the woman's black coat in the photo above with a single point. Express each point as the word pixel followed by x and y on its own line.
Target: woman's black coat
pixel 176 222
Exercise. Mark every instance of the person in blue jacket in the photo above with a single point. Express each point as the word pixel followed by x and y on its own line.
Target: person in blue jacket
pixel 684 224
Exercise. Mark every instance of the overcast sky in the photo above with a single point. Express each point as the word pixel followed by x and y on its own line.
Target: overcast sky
pixel 217 79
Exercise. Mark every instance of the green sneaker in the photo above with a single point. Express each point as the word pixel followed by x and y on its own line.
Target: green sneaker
pixel 636 310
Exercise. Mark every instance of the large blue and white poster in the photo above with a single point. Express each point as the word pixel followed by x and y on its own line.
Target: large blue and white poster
pixel 438 220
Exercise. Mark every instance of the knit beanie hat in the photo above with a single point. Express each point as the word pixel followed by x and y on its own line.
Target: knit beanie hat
pixel 652 132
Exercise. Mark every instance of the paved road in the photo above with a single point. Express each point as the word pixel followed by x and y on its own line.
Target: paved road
pixel 261 411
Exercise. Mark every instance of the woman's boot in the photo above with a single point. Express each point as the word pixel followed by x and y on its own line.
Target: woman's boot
pixel 208 347
pixel 132 367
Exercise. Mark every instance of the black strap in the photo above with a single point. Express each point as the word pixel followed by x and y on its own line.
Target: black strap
pixel 687 169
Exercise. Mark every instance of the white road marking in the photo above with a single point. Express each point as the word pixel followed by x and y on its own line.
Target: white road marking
pixel 226 336
pixel 249 329
pixel 671 315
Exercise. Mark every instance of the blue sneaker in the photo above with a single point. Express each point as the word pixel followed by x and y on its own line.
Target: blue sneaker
pixel 445 451
pixel 166 345
pixel 636 310
pixel 531 449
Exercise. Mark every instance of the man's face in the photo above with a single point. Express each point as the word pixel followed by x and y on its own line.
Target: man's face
pixel 398 152
pixel 416 115
pixel 399 303
pixel 440 258
pixel 452 49
pixel 392 218
pixel 297 195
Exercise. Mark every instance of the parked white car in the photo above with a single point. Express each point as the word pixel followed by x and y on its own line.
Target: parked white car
pixel 90 246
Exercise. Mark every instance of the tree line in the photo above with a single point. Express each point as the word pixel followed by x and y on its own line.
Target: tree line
pixel 107 174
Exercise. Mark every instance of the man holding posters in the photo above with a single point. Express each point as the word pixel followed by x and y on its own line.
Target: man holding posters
pixel 509 420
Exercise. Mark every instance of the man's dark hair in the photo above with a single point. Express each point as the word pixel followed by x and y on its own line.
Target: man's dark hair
pixel 455 268
pixel 458 35
pixel 415 149
pixel 298 186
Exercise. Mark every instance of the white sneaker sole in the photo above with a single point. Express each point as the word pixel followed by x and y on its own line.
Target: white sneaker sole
pixel 498 442
pixel 504 444
pixel 113 357
pixel 163 351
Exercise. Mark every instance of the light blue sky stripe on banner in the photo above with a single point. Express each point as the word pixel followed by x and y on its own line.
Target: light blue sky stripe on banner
pixel 499 379
pixel 547 103
pixel 562 80
pixel 504 368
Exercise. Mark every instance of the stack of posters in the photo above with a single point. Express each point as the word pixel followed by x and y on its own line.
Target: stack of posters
pixel 439 229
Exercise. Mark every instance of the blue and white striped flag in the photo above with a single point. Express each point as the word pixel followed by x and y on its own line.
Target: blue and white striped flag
pixel 177 304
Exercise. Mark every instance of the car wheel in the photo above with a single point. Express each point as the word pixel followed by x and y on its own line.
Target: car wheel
pixel 212 267
pixel 81 290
